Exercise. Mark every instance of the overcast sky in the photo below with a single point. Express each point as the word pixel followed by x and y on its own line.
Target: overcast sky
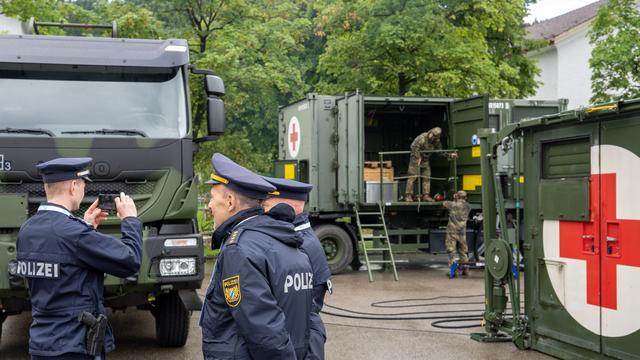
pixel 545 9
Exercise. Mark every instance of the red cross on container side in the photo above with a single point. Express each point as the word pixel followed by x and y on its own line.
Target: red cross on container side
pixel 604 242
pixel 293 137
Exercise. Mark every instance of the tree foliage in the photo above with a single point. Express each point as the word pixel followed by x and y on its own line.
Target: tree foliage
pixel 615 59
pixel 425 47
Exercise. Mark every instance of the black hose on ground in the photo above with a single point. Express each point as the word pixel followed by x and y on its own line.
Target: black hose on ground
pixel 439 320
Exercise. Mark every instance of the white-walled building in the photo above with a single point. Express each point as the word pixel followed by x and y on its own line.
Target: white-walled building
pixel 11 26
pixel 564 63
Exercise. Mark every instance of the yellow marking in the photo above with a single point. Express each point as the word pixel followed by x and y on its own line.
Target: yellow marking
pixel 521 179
pixel 471 182
pixel 475 151
pixel 274 193
pixel 219 178
pixel 602 107
pixel 290 171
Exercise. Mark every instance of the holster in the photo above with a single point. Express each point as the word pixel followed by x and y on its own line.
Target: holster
pixel 96 331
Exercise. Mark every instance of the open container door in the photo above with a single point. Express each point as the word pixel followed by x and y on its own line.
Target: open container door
pixel 350 148
pixel 467 116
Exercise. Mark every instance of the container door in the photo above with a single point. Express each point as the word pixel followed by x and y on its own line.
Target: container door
pixel 563 210
pixel 620 238
pixel 350 150
pixel 467 116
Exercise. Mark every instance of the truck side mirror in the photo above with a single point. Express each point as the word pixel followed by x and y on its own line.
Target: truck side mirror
pixel 215 106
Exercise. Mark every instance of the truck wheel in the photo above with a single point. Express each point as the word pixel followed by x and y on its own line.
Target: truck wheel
pixel 337 246
pixel 172 321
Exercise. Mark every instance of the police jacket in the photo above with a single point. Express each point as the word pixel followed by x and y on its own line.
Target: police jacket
pixel 258 303
pixel 312 247
pixel 321 282
pixel 64 260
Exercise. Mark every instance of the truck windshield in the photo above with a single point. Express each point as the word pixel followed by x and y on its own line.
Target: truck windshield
pixel 85 102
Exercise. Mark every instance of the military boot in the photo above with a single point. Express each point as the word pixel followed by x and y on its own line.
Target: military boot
pixel 408 198
pixel 465 271
pixel 427 198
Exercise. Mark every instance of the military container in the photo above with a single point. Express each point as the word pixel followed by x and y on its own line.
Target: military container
pixel 355 150
pixel 580 224
pixel 125 103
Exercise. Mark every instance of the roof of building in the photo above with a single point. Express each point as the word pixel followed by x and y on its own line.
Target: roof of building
pixel 551 28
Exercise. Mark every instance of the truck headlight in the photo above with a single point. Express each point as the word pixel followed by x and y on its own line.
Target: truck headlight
pixel 178 266
pixel 186 242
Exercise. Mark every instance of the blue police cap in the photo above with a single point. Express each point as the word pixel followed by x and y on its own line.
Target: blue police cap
pixel 290 189
pixel 62 169
pixel 239 179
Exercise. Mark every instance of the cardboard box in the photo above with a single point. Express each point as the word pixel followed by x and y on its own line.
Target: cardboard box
pixel 371 174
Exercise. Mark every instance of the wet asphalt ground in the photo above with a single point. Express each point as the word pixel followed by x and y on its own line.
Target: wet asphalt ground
pixel 348 338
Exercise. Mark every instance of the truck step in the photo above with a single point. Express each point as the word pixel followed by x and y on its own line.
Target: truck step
pixel 374 236
pixel 369 213
pixel 371 225
pixel 377 249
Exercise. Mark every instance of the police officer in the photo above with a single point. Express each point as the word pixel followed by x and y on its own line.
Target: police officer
pixel 258 303
pixel 64 260
pixel 426 141
pixel 456 240
pixel 294 193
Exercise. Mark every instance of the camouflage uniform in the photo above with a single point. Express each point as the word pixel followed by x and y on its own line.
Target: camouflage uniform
pixel 457 229
pixel 418 159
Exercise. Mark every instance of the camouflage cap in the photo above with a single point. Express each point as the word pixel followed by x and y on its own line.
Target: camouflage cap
pixel 461 194
pixel 436 131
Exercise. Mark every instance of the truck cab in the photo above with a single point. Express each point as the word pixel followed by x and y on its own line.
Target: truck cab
pixel 126 104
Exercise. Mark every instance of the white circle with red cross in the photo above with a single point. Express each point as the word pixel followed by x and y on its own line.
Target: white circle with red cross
pixel 293 137
pixel 594 266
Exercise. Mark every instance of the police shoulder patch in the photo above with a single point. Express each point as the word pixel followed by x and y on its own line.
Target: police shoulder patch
pixel 231 287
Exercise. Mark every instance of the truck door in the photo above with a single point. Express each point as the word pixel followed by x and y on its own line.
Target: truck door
pixel 563 210
pixel 619 237
pixel 467 116
pixel 350 148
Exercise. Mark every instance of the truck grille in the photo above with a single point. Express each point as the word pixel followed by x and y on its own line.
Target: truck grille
pixel 35 191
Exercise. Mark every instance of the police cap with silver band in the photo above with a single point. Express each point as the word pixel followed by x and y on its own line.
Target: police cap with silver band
pixel 290 189
pixel 239 179
pixel 62 169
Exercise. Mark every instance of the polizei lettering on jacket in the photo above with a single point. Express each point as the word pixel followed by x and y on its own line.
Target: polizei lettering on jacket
pixel 38 269
pixel 299 281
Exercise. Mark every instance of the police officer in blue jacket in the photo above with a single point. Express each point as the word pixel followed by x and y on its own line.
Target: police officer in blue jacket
pixel 258 303
pixel 294 194
pixel 64 258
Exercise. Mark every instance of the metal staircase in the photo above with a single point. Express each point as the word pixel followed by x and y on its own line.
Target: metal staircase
pixel 380 237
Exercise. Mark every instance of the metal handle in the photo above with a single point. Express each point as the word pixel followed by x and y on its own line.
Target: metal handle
pixel 612 238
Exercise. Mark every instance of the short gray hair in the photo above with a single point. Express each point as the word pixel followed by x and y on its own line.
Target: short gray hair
pixel 245 201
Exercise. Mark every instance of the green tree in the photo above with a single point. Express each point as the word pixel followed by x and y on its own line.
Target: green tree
pixel 615 59
pixel 259 58
pixel 432 47
pixel 133 22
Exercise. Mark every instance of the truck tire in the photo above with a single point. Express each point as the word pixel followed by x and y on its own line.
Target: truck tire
pixel 337 246
pixel 172 321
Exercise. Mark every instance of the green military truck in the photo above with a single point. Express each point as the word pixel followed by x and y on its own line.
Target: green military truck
pixel 581 224
pixel 345 145
pixel 125 103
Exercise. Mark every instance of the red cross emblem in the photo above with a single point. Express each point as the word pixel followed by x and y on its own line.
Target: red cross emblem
pixel 293 138
pixel 604 242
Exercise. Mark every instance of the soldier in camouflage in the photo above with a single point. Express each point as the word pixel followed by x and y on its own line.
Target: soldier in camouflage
pixel 457 228
pixel 429 140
